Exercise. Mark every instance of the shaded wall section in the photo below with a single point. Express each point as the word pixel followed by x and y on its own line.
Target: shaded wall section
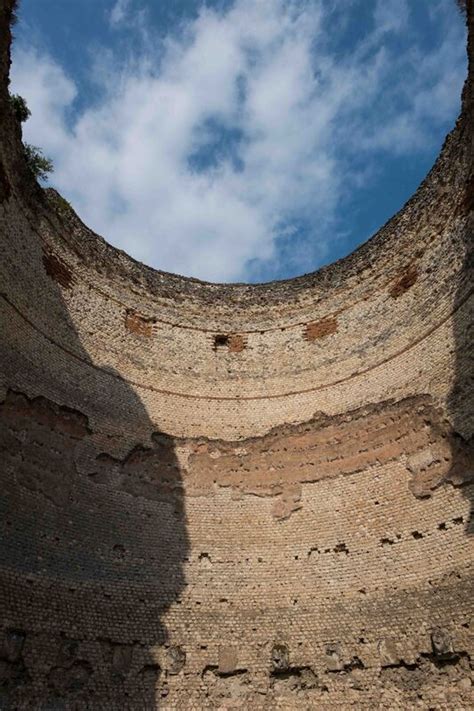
pixel 461 398
pixel 91 559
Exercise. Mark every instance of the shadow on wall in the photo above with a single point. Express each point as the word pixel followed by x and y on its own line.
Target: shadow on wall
pixel 92 525
pixel 93 544
pixel 461 399
pixel 95 561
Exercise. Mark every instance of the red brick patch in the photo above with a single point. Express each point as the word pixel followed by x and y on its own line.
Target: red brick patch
pixel 320 329
pixel 138 324
pixel 404 282
pixel 57 270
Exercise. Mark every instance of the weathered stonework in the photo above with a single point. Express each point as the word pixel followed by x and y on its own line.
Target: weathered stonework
pixel 320 329
pixel 235 496
pixel 57 270
pixel 404 282
pixel 138 324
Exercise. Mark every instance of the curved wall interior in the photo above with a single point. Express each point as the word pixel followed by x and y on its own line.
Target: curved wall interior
pixel 236 496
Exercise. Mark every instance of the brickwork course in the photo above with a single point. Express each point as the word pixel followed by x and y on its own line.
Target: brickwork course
pixel 236 496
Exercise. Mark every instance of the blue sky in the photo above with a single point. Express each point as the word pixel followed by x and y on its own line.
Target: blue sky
pixel 239 140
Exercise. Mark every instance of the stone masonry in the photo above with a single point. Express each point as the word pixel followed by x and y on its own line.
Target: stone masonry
pixel 234 496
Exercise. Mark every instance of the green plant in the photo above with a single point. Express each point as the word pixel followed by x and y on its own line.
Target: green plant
pixel 58 202
pixel 20 108
pixel 38 163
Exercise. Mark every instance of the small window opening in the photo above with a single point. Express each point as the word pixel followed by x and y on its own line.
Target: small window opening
pixel 221 340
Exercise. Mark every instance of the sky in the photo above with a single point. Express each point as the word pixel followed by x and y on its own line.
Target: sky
pixel 239 140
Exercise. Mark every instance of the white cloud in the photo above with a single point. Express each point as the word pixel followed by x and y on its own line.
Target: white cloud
pixel 421 100
pixel 118 12
pixel 391 16
pixel 263 72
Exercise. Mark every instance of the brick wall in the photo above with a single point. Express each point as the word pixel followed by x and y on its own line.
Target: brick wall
pixel 236 496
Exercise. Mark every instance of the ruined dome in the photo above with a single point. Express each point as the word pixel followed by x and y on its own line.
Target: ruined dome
pixel 236 496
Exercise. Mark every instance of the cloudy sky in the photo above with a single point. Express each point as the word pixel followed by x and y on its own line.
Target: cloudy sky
pixel 239 140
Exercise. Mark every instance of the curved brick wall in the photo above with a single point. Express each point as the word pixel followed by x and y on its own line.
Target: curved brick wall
pixel 237 496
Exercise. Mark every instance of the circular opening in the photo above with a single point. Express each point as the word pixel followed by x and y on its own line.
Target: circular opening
pixel 244 142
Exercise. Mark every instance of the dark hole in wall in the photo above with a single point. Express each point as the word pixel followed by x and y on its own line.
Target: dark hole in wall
pixel 221 341
pixel 235 342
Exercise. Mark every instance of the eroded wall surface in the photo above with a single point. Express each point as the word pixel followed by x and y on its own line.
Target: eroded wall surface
pixel 236 496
